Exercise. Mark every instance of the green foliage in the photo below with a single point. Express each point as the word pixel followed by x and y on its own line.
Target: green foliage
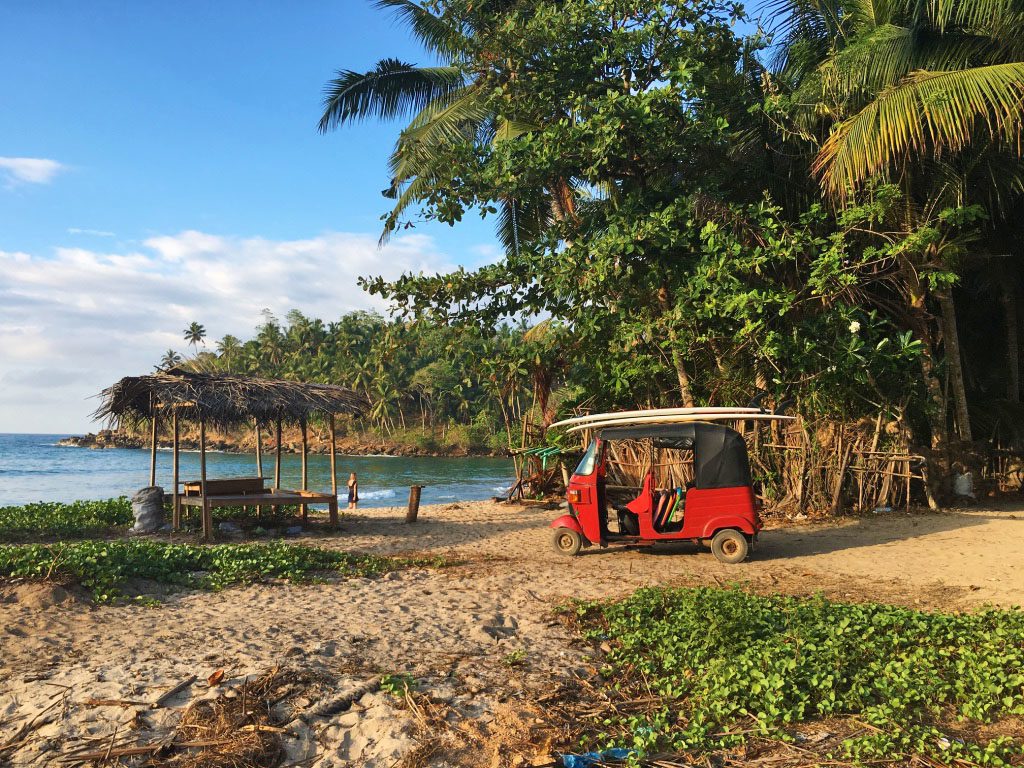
pixel 514 658
pixel 104 565
pixel 419 378
pixel 398 684
pixel 76 520
pixel 728 664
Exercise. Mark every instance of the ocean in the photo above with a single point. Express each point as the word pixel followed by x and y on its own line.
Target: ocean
pixel 35 468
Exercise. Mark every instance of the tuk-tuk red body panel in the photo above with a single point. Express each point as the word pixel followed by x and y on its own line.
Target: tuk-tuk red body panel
pixel 705 511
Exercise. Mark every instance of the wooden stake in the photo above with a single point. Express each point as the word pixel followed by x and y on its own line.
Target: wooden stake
pixel 207 512
pixel 334 472
pixel 305 468
pixel 414 503
pixel 176 506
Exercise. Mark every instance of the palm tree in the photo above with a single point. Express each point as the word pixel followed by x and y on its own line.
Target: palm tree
pixel 446 106
pixel 228 348
pixel 195 334
pixel 929 95
pixel 169 360
pixel 902 81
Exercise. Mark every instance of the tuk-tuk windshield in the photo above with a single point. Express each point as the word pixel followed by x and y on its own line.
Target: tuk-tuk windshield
pixel 589 461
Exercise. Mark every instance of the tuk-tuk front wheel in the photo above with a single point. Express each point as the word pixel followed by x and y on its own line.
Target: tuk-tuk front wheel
pixel 730 546
pixel 566 541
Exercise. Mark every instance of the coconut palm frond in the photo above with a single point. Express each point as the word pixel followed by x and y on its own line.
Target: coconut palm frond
pixel 506 129
pixel 987 16
pixel 927 113
pixel 432 31
pixel 449 121
pixel 392 89
pixel 520 221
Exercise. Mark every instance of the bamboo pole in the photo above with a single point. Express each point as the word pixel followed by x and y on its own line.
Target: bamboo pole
pixel 176 507
pixel 207 512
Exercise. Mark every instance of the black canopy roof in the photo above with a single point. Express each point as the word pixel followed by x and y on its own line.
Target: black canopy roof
pixel 719 453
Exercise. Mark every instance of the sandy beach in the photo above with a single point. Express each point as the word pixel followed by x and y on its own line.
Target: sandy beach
pixel 479 638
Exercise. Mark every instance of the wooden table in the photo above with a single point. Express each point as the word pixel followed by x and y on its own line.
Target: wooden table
pixel 249 492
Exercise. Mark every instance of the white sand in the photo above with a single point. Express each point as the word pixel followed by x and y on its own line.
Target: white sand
pixel 452 629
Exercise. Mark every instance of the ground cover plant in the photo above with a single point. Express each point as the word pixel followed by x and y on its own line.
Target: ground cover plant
pixel 102 566
pixel 87 519
pixel 78 519
pixel 724 667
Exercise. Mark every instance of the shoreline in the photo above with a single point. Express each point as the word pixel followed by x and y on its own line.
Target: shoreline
pixel 346 446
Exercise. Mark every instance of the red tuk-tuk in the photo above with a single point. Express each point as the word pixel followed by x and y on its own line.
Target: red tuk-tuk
pixel 717 506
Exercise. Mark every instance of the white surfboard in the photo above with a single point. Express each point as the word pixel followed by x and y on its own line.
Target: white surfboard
pixel 681 419
pixel 710 410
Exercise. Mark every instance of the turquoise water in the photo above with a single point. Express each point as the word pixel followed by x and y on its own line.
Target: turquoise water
pixel 34 468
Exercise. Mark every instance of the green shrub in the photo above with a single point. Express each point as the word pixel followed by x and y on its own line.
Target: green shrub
pixel 725 660
pixel 103 566
pixel 71 521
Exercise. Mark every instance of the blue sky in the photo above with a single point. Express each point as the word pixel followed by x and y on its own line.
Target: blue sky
pixel 159 163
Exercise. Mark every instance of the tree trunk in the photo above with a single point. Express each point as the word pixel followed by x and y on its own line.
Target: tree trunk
pixel 677 358
pixel 1011 319
pixel 918 323
pixel 954 359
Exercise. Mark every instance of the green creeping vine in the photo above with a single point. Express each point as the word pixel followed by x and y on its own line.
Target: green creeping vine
pixel 723 659
pixel 86 519
pixel 104 565
pixel 76 520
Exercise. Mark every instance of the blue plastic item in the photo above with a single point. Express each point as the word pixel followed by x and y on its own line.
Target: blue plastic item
pixel 588 759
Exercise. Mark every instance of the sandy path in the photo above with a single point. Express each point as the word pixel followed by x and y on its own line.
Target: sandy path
pixel 457 629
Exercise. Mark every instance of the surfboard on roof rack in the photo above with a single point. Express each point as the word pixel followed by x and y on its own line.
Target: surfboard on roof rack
pixel 681 419
pixel 709 410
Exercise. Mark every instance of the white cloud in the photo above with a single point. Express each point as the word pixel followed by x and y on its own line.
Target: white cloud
pixel 74 322
pixel 91 232
pixel 30 170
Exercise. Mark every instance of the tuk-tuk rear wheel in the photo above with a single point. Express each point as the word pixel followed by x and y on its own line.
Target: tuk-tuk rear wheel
pixel 567 541
pixel 730 546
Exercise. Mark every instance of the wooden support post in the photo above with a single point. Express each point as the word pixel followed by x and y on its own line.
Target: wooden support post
pixel 176 507
pixel 259 450
pixel 152 451
pixel 259 460
pixel 414 503
pixel 207 512
pixel 334 472
pixel 277 462
pixel 305 469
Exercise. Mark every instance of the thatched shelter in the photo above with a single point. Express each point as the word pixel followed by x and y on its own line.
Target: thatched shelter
pixel 228 401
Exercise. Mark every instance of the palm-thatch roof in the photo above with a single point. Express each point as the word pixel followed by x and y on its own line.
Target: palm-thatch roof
pixel 221 399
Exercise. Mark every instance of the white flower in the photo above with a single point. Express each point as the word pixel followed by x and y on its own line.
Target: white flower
pixel 854 327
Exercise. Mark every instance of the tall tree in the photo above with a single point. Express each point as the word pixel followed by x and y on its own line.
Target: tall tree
pixel 446 105
pixel 195 334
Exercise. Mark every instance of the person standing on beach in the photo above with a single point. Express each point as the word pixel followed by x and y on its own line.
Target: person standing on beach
pixel 353 491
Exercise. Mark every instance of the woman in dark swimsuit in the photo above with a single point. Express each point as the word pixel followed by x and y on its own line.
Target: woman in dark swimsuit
pixel 353 491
